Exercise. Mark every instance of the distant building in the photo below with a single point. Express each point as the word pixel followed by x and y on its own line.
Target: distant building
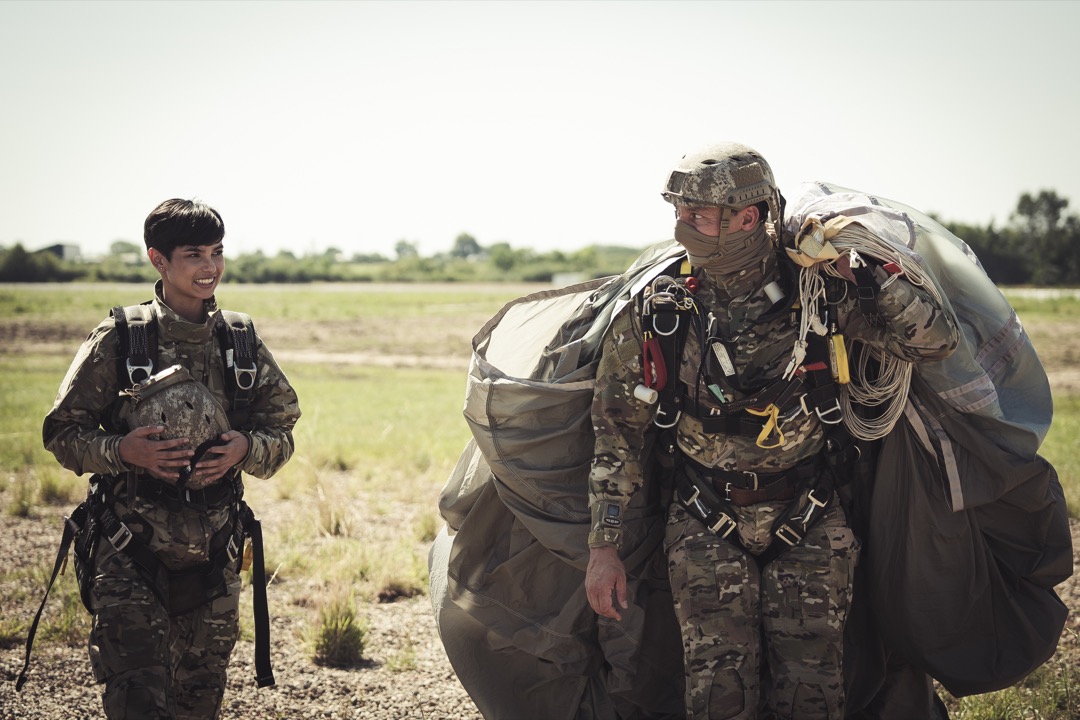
pixel 63 251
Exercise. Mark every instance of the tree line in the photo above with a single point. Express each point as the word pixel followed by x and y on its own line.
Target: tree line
pixel 1038 245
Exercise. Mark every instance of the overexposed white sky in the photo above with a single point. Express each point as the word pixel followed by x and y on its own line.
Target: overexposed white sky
pixel 353 125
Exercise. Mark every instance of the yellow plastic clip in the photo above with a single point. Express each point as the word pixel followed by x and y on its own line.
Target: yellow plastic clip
pixel 772 425
pixel 838 356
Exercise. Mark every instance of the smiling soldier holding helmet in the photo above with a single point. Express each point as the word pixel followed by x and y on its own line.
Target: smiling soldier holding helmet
pixel 160 572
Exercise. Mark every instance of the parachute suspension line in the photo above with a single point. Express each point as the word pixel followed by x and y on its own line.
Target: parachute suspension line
pixel 889 390
pixel 811 289
pixel 887 387
pixel 856 237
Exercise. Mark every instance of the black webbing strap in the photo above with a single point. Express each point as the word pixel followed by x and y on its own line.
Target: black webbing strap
pixel 706 505
pixel 824 394
pixel 868 289
pixel 264 673
pixel 237 340
pixel 132 332
pixel 71 524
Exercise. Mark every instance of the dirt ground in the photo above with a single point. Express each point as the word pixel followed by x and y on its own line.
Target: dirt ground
pixel 60 683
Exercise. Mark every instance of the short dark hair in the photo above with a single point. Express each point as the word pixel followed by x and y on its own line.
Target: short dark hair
pixel 175 223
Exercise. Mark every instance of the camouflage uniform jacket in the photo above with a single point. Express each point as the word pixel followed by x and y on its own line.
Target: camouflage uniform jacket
pixel 915 328
pixel 81 429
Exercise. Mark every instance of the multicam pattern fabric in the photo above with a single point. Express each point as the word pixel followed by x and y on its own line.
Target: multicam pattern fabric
pixel 737 619
pixel 915 329
pixel 723 600
pixel 154 665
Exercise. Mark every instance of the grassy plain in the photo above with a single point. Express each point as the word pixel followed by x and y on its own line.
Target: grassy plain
pixel 380 371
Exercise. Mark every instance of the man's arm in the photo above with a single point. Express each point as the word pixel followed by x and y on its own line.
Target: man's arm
pixel 619 423
pixel 916 326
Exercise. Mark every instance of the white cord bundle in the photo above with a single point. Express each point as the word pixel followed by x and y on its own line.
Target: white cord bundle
pixel 889 389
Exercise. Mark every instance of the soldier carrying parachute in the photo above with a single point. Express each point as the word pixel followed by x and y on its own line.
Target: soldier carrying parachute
pixel 769 425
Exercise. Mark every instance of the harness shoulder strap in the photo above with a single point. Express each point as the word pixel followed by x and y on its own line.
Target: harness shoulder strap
pixel 666 327
pixel 135 330
pixel 236 337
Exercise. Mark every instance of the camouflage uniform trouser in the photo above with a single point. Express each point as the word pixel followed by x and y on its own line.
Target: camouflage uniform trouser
pixel 781 627
pixel 155 666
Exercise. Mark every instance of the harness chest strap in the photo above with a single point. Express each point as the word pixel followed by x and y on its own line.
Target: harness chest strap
pixel 812 387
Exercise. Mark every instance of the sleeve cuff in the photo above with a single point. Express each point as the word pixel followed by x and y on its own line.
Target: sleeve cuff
pixel 606 537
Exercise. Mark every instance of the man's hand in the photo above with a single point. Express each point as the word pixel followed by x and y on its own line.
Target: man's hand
pixel 604 576
pixel 219 459
pixel 160 458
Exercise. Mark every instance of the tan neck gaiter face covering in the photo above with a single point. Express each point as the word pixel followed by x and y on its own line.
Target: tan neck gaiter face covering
pixel 742 250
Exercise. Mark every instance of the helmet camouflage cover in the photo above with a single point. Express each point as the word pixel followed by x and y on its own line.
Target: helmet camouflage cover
pixel 186 408
pixel 728 175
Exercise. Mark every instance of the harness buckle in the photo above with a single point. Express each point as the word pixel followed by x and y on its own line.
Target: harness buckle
pixel 812 508
pixel 660 411
pixel 795 412
pixel 233 548
pixel 245 377
pixel 658 331
pixel 147 370
pixel 693 498
pixel 789 534
pixel 726 522
pixel 121 538
pixel 826 417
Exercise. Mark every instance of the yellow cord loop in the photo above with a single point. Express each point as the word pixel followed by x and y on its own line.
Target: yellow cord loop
pixel 772 425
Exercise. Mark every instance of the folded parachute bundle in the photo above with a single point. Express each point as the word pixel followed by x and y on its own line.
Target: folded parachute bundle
pixel 964 524
pixel 966 530
pixel 507 572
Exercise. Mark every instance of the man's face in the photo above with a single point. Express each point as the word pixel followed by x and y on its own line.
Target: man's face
pixel 703 218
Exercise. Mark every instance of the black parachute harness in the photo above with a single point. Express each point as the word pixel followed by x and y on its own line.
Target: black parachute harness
pixel 668 311
pixel 178 591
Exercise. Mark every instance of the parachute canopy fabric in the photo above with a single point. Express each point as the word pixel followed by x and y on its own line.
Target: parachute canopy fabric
pixel 507 573
pixel 994 378
pixel 967 532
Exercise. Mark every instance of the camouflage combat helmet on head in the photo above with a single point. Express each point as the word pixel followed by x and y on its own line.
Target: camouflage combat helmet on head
pixel 728 175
